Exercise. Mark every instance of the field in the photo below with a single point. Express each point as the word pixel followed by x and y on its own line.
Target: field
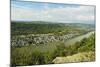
pixel 38 42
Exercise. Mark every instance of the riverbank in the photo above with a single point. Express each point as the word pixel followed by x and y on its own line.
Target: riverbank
pixel 82 51
pixel 78 38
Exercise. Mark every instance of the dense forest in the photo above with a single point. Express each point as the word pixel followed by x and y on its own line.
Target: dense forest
pixel 31 43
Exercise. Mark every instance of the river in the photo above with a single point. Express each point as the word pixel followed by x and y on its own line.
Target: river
pixel 78 38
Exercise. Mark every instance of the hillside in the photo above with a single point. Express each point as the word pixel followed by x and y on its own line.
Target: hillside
pixel 25 28
pixel 79 52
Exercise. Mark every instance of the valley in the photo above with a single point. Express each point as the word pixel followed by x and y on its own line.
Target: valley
pixel 40 43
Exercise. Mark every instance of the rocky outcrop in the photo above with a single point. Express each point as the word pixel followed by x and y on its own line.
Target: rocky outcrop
pixel 80 57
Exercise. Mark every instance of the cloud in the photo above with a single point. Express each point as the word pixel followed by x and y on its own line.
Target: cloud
pixel 82 13
pixel 23 14
pixel 59 14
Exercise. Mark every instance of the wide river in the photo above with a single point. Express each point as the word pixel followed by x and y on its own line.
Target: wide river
pixel 78 38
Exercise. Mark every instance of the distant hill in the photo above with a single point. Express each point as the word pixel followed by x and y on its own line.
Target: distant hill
pixel 43 27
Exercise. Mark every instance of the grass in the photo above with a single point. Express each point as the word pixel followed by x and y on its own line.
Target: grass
pixel 33 55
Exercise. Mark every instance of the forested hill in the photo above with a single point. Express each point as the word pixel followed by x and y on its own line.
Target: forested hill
pixel 40 27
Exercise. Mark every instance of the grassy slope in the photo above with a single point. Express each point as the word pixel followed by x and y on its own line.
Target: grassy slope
pixel 37 54
pixel 79 52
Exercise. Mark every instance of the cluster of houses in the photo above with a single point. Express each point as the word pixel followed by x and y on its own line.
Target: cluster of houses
pixel 36 39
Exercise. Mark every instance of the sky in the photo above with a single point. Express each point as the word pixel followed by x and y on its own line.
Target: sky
pixel 63 13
